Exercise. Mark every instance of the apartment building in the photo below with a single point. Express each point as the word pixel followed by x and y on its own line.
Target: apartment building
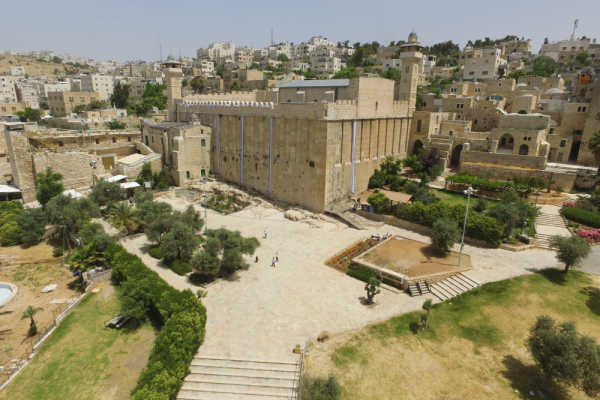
pixel 27 93
pixel 8 93
pixel 63 103
pixel 101 84
pixel 483 64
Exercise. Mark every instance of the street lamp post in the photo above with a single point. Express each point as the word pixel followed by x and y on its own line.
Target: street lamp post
pixel 468 192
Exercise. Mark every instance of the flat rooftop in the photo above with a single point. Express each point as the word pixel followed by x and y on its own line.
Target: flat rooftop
pixel 314 83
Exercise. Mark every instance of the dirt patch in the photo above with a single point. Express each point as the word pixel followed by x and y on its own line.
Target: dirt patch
pixel 30 279
pixel 15 255
pixel 412 258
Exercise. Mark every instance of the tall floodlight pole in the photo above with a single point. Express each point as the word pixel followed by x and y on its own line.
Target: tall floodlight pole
pixel 468 192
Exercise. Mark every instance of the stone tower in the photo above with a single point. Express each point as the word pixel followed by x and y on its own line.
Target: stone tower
pixel 410 54
pixel 173 75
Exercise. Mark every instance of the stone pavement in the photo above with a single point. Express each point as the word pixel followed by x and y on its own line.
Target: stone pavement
pixel 264 312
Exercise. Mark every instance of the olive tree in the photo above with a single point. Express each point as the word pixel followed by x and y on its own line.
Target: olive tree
pixel 444 234
pixel 570 250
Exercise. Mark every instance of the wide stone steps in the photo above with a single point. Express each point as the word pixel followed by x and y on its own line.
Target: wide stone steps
pixel 452 286
pixel 550 220
pixel 542 240
pixel 418 288
pixel 221 378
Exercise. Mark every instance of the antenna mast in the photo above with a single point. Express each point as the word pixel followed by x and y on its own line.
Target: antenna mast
pixel 575 24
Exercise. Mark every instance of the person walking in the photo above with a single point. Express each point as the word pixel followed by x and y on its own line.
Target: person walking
pixel 273 262
pixel 265 234
pixel 277 256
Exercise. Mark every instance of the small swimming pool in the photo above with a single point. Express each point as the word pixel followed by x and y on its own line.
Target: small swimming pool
pixel 7 292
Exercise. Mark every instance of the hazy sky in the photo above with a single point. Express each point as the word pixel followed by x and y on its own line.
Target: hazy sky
pixel 133 29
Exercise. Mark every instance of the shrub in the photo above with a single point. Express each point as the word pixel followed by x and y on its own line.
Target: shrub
pixel 180 267
pixel 155 252
pixel 425 196
pixel 582 216
pixel 379 201
pixel 320 389
pixel 411 187
pixel 58 252
pixel 591 235
pixel 377 180
pixel 444 234
pixel 523 239
pixel 180 315
pixel 479 226
pixel 480 205
pixel 361 273
pixel 397 183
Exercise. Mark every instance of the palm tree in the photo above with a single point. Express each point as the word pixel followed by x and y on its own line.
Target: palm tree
pixel 124 215
pixel 29 313
pixel 594 146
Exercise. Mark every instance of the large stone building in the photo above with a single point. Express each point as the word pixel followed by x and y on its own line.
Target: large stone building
pixel 310 143
pixel 63 103
pixel 101 84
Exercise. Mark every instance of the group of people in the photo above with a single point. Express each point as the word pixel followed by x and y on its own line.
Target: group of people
pixel 378 237
pixel 275 259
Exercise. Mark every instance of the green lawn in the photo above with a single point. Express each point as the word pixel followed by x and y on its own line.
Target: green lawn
pixel 83 359
pixel 474 348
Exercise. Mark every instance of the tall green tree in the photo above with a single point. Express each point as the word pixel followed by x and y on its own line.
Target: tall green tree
pixel 594 146
pixel 544 66
pixel 49 184
pixel 444 234
pixel 120 95
pixel 32 225
pixel 30 114
pixel 104 192
pixel 565 356
pixel 570 250
pixel 179 243
pixel 197 84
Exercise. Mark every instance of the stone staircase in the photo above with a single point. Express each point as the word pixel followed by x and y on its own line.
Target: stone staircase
pixel 213 378
pixel 418 288
pixel 543 240
pixel 550 220
pixel 452 286
pixel 554 222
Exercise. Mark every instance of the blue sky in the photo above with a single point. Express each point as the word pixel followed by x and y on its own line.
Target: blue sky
pixel 133 29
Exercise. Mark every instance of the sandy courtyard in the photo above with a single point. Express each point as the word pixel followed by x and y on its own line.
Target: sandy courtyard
pixel 265 312
pixel 412 258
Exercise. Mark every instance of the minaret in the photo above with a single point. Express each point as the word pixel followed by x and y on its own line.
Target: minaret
pixel 173 75
pixel 410 54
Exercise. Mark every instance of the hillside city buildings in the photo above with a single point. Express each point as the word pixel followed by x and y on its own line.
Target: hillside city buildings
pixel 279 121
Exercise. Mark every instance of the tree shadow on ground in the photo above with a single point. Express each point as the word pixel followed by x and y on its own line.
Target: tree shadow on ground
pixel 556 276
pixel 528 378
pixel 593 301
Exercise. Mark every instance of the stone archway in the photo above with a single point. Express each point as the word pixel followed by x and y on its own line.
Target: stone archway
pixel 506 144
pixel 417 147
pixel 523 150
pixel 455 159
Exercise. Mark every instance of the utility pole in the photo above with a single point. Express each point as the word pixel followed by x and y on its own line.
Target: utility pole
pixel 468 192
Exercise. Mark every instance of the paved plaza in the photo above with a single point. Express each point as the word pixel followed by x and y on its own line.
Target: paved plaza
pixel 265 311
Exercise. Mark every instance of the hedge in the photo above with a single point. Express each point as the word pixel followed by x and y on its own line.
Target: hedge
pixel 582 216
pixel 479 226
pixel 359 272
pixel 485 184
pixel 181 316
